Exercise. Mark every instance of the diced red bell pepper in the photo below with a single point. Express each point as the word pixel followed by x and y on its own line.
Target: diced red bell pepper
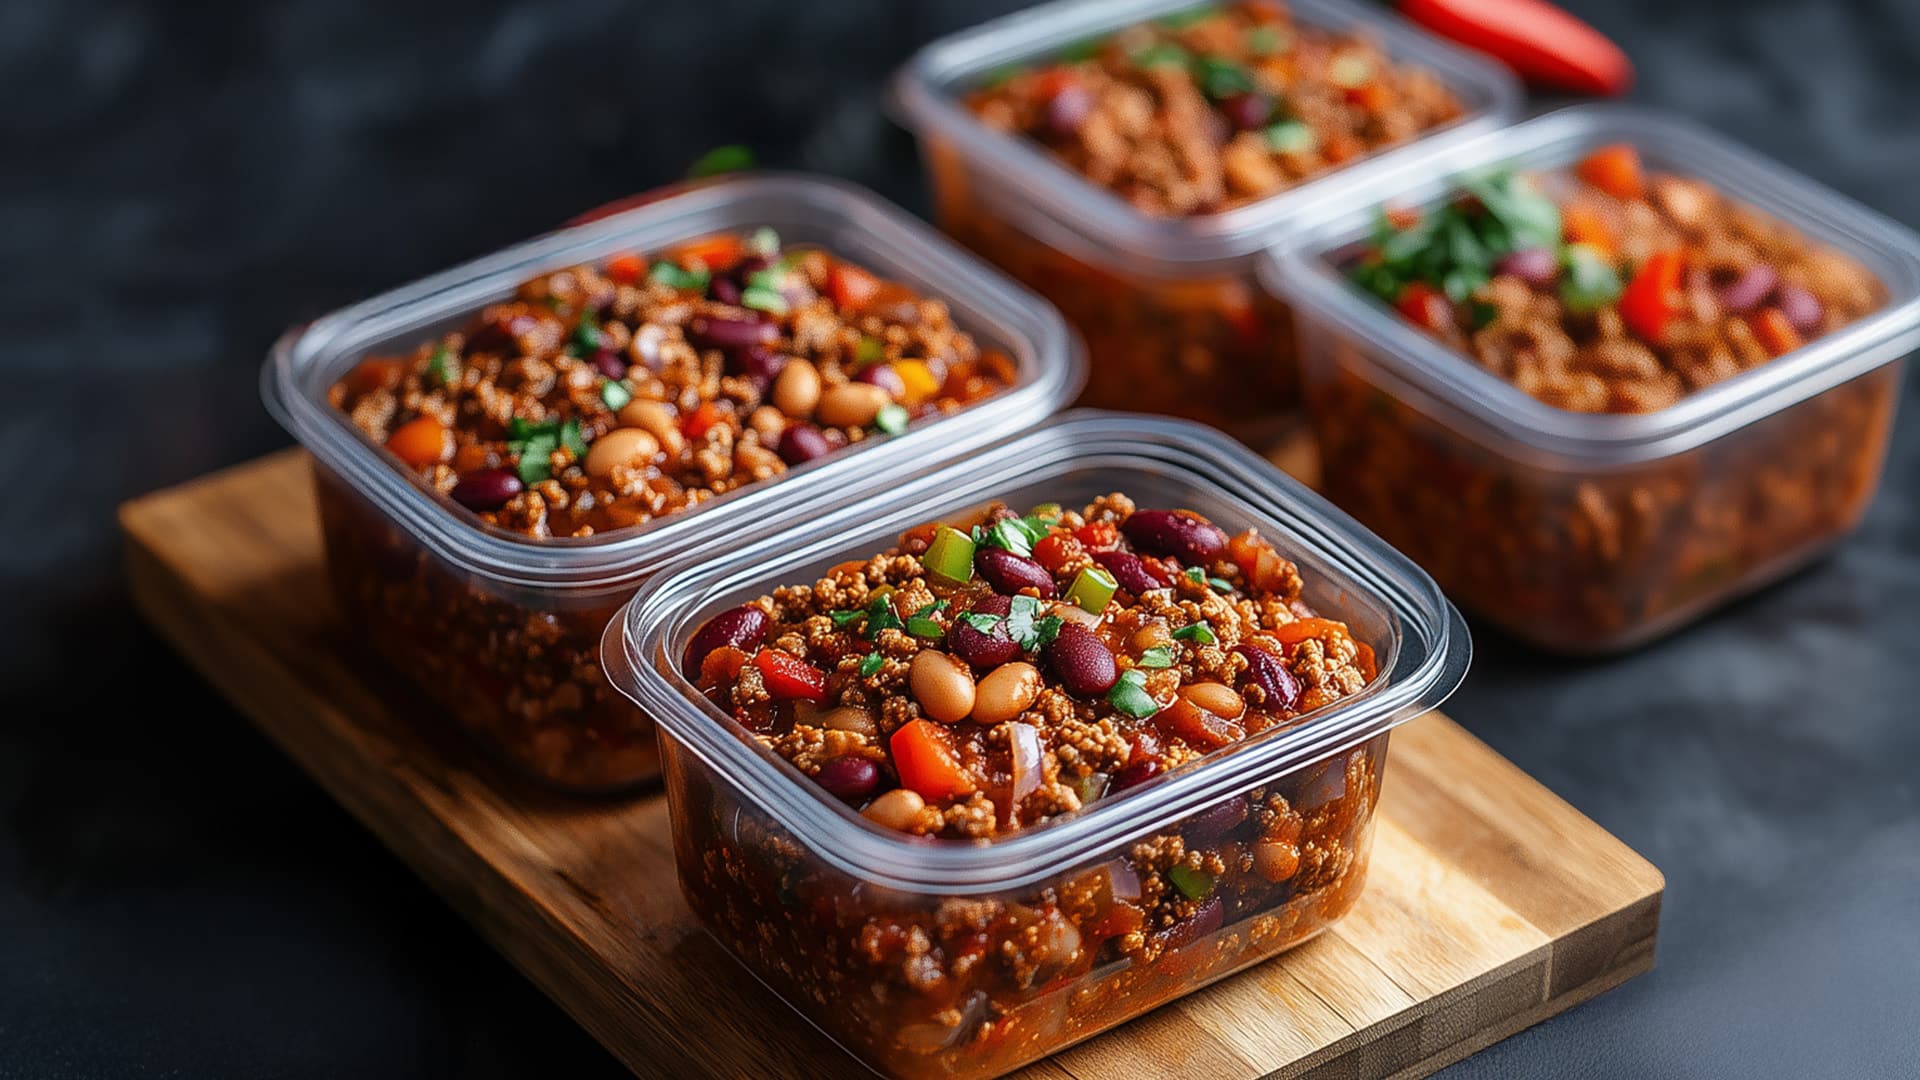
pixel 1097 535
pixel 1650 300
pixel 626 268
pixel 697 422
pixel 851 287
pixel 1614 169
pixel 1057 549
pixel 790 678
pixel 1424 306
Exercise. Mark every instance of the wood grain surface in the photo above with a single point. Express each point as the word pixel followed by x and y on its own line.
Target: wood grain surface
pixel 1491 903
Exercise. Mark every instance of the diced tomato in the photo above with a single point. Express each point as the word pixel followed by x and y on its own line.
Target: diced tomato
pixel 1583 225
pixel 1262 566
pixel 1372 97
pixel 1056 549
pixel 717 252
pixel 696 423
pixel 1650 300
pixel 851 287
pixel 1425 306
pixel 1340 146
pixel 926 762
pixel 1097 535
pixel 420 442
pixel 626 267
pixel 1776 332
pixel 790 678
pixel 1054 80
pixel 1614 169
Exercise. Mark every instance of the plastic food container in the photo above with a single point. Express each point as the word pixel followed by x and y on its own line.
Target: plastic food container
pixel 1173 317
pixel 504 630
pixel 1592 532
pixel 813 898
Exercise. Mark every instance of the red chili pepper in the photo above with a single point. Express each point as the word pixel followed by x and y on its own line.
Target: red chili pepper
pixel 1652 297
pixel 788 677
pixel 1542 44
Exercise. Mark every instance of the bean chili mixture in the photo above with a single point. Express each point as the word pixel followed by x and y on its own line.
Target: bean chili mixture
pixel 1606 288
pixel 602 397
pixel 1188 115
pixel 988 677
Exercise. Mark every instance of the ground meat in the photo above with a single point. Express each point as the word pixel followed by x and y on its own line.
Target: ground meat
pixel 975 986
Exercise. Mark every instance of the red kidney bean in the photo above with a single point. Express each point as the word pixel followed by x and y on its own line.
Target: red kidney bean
pixel 1216 821
pixel 1751 289
pixel 1009 573
pixel 849 778
pixel 1266 671
pixel 715 333
pixel 488 489
pixel 1134 775
pixel 726 290
pixel 884 377
pixel 1130 571
pixel 748 266
pixel 1067 110
pixel 1208 917
pixel 1083 663
pixel 608 363
pixel 742 627
pixel 1803 309
pixel 801 443
pixel 1535 266
pixel 984 650
pixel 1247 111
pixel 1187 537
pixel 757 362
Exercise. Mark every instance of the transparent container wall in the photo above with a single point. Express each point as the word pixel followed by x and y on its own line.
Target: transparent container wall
pixel 1174 319
pixel 517 669
pixel 504 630
pixel 925 985
pixel 1581 558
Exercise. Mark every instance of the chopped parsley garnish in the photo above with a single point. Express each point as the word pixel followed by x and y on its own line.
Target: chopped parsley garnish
pixel 846 617
pixel 1017 535
pixel 1589 283
pixel 1160 656
pixel 922 624
pixel 871 666
pixel 892 418
pixel 721 159
pixel 672 276
pixel 586 335
pixel 1198 632
pixel 1130 696
pixel 1291 136
pixel 880 617
pixel 1454 248
pixel 1027 627
pixel 536 442
pixel 440 368
pixel 981 621
pixel 615 395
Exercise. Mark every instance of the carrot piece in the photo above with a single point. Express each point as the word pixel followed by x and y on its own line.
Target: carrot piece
pixel 852 288
pixel 717 253
pixel 1299 630
pixel 420 442
pixel 1584 225
pixel 626 268
pixel 1776 332
pixel 927 764
pixel 1614 169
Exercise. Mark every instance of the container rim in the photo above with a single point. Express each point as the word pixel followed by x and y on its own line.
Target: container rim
pixel 1429 653
pixel 1049 358
pixel 922 98
pixel 1301 270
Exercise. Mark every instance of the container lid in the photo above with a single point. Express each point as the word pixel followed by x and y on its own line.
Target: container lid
pixel 1420 640
pixel 848 221
pixel 1307 269
pixel 1050 196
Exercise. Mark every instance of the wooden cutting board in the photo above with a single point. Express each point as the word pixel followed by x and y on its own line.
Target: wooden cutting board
pixel 1491 903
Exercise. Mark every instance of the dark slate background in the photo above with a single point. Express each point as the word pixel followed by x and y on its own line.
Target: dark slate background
pixel 183 180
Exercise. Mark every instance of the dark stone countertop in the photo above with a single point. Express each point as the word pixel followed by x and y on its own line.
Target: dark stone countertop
pixel 184 180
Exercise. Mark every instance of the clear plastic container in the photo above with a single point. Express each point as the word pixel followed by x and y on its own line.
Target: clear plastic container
pixel 1173 316
pixel 503 629
pixel 818 902
pixel 1587 532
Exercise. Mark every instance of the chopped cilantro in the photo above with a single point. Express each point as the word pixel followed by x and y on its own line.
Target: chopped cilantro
pixel 586 335
pixel 1017 535
pixel 1590 283
pixel 846 617
pixel 572 438
pixel 880 616
pixel 924 627
pixel 1027 627
pixel 536 442
pixel 1198 632
pixel 871 666
pixel 981 621
pixel 666 273
pixel 1221 78
pixel 439 368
